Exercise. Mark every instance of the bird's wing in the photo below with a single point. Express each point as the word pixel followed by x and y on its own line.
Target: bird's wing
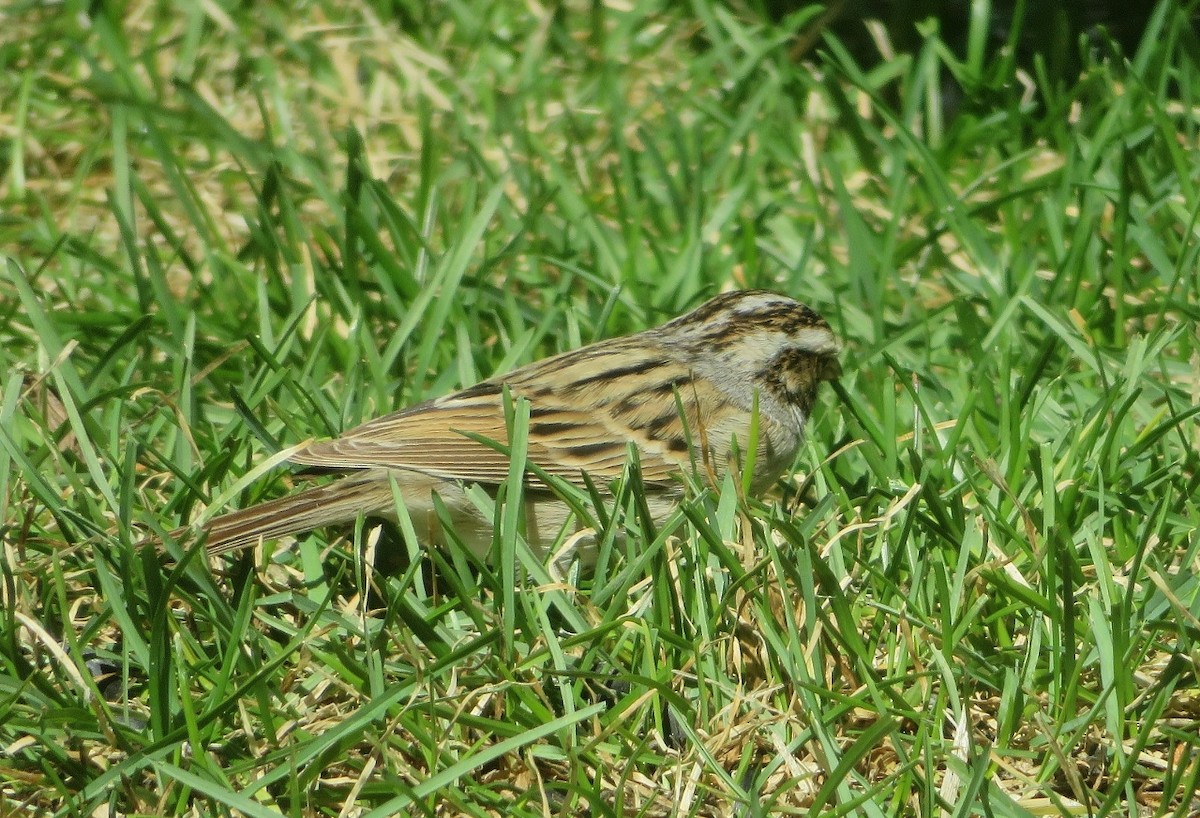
pixel 436 438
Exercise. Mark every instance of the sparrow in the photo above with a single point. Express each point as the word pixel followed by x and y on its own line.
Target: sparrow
pixel 685 395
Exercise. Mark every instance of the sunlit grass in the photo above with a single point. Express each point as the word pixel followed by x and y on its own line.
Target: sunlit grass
pixel 228 231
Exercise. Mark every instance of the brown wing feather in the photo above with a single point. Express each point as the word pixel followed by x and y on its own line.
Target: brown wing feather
pixel 437 440
pixel 435 437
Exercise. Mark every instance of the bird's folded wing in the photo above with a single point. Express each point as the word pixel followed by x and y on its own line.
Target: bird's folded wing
pixel 436 438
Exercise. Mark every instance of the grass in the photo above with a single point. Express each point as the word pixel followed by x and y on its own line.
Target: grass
pixel 229 229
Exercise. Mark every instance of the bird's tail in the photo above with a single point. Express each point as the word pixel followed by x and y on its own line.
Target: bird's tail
pixel 334 503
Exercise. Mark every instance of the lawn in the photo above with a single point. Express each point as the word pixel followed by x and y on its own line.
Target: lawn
pixel 230 228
